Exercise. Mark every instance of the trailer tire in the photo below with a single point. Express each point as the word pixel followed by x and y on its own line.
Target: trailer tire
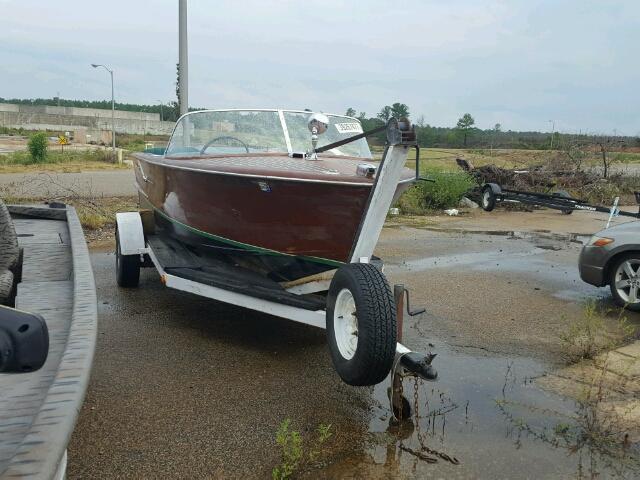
pixel 488 199
pixel 127 267
pixel 9 250
pixel 361 324
pixel 6 286
pixel 564 194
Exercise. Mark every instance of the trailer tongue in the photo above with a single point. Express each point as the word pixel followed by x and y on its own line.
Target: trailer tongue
pixel 492 193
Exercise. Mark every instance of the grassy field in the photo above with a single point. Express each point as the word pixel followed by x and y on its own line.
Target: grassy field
pixel 67 162
pixel 451 183
pixel 97 215
pixel 445 159
pixel 136 143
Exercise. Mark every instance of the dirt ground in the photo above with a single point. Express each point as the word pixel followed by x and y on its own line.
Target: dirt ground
pixel 504 222
pixel 189 388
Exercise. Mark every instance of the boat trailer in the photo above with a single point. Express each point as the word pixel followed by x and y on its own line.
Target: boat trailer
pixel 492 193
pixel 140 243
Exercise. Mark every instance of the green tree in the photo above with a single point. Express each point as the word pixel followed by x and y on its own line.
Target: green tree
pixel 465 125
pixel 350 112
pixel 385 113
pixel 177 102
pixel 399 110
pixel 497 127
pixel 37 145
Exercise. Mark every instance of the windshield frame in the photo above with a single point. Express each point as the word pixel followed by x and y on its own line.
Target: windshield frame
pixel 283 124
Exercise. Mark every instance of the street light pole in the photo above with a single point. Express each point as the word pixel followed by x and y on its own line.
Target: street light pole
pixel 113 109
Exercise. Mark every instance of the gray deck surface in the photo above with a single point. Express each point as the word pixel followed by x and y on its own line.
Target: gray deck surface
pixel 38 410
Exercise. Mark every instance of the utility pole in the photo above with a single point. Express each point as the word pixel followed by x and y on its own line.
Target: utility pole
pixel 161 114
pixel 553 130
pixel 183 60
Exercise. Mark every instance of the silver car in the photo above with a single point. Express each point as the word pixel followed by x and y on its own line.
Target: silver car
pixel 612 257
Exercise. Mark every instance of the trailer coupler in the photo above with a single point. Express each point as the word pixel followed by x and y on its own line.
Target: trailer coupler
pixel 419 364
pixel 407 364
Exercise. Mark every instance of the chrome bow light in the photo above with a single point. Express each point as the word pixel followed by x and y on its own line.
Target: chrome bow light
pixel 317 124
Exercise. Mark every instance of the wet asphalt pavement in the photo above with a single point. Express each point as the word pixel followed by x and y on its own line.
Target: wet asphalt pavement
pixel 184 387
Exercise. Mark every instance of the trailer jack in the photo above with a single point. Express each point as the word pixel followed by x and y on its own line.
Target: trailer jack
pixel 407 363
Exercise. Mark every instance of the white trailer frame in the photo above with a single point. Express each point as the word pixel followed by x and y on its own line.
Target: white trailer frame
pixel 132 242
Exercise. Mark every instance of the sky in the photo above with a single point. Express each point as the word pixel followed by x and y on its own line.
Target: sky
pixel 517 63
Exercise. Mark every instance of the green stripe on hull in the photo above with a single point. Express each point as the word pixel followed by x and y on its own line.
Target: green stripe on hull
pixel 246 246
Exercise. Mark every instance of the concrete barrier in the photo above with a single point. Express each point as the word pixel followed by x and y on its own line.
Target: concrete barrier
pixel 95 121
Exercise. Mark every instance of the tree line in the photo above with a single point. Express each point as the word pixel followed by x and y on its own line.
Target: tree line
pixel 466 135
pixel 462 135
pixel 170 111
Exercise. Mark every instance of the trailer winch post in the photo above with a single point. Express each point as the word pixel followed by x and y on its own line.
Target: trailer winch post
pixel 613 212
pixel 398 295
pixel 400 409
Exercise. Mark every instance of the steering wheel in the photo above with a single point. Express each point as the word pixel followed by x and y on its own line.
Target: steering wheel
pixel 224 137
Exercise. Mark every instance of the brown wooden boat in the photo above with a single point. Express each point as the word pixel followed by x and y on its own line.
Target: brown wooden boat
pixel 246 184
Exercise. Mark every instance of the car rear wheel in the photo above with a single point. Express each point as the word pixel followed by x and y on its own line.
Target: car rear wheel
pixel 624 281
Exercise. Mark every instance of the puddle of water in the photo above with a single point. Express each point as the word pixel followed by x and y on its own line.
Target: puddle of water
pixel 484 411
pixel 534 260
pixel 535 235
pixel 477 260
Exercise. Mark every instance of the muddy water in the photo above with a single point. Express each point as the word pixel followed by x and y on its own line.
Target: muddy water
pixel 485 414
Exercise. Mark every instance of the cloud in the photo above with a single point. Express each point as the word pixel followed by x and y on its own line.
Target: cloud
pixel 518 63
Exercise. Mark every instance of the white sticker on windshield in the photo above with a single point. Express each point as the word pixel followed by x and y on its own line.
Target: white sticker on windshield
pixel 348 127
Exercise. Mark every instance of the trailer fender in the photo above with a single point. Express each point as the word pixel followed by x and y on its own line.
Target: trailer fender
pixel 130 233
pixel 495 188
pixel 564 194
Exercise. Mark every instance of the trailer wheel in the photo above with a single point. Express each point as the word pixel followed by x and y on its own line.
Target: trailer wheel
pixel 624 281
pixel 564 194
pixel 6 286
pixel 9 250
pixel 127 267
pixel 488 199
pixel 361 324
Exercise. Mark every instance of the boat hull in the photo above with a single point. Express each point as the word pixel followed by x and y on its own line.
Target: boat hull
pixel 311 225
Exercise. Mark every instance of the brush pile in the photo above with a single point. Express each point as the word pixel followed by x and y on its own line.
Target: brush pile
pixel 537 178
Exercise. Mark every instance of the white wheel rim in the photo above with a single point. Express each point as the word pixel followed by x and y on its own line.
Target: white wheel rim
pixel 485 198
pixel 345 324
pixel 627 281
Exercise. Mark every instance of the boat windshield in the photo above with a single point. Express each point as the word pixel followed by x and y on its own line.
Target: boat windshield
pixel 220 132
pixel 339 128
